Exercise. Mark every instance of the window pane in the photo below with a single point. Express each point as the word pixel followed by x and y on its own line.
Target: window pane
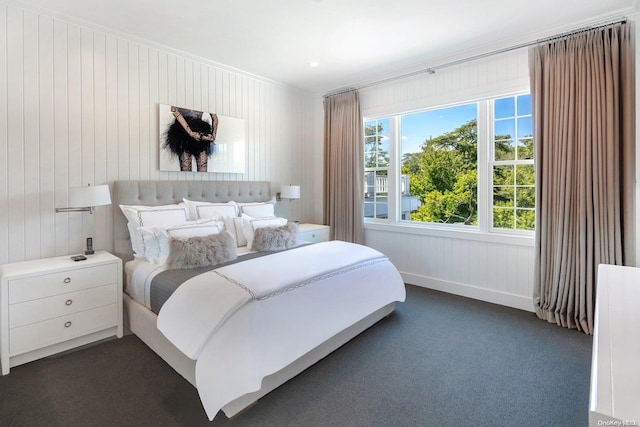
pixel 525 149
pixel 503 218
pixel 503 196
pixel 505 129
pixel 524 127
pixel 383 154
pixel 504 107
pixel 526 197
pixel 439 165
pixel 524 105
pixel 524 175
pixel 369 126
pixel 525 219
pixel 505 150
pixel 503 175
pixel 369 210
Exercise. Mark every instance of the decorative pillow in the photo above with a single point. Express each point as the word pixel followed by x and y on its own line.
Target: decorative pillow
pixel 250 224
pixel 275 238
pixel 144 216
pixel 198 210
pixel 234 227
pixel 201 251
pixel 156 239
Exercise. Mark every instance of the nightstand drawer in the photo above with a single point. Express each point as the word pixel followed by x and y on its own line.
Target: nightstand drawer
pixel 315 235
pixel 37 335
pixel 46 285
pixel 59 305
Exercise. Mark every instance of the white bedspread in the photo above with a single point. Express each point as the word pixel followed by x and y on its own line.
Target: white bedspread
pixel 245 321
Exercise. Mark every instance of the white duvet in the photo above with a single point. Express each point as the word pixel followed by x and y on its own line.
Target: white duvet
pixel 245 321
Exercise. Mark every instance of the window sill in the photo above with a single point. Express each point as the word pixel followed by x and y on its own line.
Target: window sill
pixel 451 232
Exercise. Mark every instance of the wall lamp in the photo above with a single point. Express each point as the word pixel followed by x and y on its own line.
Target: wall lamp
pixel 84 199
pixel 290 192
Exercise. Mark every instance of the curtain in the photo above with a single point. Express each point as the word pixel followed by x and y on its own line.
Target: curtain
pixel 582 90
pixel 343 167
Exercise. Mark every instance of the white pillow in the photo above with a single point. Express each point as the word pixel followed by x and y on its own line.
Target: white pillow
pixel 257 209
pixel 250 224
pixel 233 225
pixel 144 216
pixel 156 238
pixel 261 210
pixel 199 210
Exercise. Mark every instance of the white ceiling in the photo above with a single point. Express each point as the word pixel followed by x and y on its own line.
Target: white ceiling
pixel 353 41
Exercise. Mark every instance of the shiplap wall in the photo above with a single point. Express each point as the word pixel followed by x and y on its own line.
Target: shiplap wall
pixel 79 106
pixel 490 268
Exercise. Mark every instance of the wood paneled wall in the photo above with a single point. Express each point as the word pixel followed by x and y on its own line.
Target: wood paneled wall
pixel 489 268
pixel 79 106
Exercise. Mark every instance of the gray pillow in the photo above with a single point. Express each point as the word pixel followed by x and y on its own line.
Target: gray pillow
pixel 275 238
pixel 192 252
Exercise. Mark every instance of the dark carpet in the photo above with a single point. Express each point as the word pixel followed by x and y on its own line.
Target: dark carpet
pixel 440 360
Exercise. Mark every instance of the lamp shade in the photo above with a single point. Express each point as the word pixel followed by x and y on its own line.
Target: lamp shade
pixel 290 192
pixel 89 196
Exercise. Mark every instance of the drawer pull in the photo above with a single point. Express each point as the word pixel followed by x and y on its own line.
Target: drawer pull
pixel 68 302
pixel 67 280
pixel 67 324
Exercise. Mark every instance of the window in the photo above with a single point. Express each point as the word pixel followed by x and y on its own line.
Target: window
pixel 514 191
pixel 376 166
pixel 440 163
pixel 425 166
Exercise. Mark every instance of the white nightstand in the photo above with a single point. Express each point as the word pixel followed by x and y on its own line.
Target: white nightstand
pixel 313 233
pixel 55 304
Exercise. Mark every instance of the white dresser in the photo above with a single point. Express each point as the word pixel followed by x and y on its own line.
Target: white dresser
pixel 313 233
pixel 55 304
pixel 615 366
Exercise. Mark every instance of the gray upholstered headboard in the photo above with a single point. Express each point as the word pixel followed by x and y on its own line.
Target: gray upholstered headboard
pixel 154 193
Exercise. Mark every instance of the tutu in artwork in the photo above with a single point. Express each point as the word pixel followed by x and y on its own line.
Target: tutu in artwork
pixel 192 134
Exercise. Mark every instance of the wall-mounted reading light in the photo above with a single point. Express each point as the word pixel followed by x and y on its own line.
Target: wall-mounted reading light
pixel 84 199
pixel 290 192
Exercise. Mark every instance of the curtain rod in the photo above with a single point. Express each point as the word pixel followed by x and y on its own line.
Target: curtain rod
pixel 432 70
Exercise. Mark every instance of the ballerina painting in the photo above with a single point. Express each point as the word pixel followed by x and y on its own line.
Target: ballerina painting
pixel 205 142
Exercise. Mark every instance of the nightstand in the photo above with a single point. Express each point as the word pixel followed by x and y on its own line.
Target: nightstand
pixel 56 304
pixel 313 233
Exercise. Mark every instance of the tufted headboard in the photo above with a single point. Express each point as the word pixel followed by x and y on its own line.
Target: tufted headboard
pixel 154 193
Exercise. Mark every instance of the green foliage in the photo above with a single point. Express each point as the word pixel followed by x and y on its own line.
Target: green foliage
pixel 444 176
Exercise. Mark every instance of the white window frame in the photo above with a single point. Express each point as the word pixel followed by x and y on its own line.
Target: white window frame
pixel 492 162
pixel 484 230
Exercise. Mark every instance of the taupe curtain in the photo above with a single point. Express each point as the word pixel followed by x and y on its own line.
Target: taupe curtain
pixel 582 90
pixel 343 167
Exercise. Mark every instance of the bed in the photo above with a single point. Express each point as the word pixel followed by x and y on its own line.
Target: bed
pixel 268 337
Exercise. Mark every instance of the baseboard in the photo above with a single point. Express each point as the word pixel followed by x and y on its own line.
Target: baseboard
pixel 482 294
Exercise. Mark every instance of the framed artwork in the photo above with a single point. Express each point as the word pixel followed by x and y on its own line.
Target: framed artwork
pixel 196 141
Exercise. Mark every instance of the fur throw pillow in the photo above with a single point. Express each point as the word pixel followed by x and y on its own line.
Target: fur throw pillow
pixel 275 238
pixel 201 251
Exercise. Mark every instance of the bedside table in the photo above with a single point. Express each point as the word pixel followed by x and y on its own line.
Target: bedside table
pixel 56 304
pixel 313 233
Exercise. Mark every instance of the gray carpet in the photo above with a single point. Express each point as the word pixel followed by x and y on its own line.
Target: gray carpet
pixel 439 360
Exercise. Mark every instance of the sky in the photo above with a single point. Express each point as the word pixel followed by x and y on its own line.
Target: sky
pixel 418 127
